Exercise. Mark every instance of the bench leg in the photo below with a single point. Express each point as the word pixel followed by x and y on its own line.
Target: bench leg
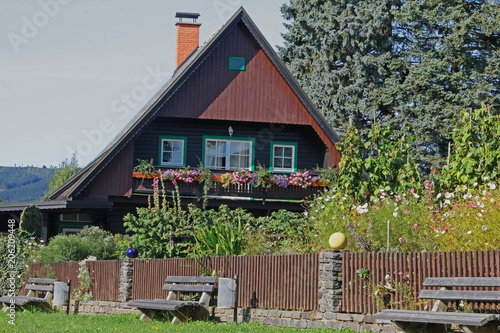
pixel 189 314
pixel 148 314
pixel 420 327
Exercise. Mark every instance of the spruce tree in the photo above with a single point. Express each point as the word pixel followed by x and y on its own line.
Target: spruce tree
pixel 411 64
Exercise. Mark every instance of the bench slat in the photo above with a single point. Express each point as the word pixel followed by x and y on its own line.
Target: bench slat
pixel 458 295
pixel 471 319
pixel 38 287
pixel 40 280
pixel 188 288
pixel 191 279
pixel 462 282
pixel 21 300
pixel 161 304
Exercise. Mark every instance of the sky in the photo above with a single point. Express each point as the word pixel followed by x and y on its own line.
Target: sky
pixel 73 73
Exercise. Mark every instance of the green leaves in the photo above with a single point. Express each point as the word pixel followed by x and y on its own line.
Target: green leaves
pixel 476 150
pixel 378 162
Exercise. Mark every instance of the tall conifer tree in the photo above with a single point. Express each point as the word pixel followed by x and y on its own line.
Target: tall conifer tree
pixel 412 64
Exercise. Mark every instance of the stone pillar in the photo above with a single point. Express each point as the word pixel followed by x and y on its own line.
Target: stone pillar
pixel 330 281
pixel 126 272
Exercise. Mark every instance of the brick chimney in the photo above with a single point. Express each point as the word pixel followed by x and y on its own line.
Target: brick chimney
pixel 188 36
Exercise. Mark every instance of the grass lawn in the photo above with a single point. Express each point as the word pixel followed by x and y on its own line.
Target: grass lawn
pixel 60 322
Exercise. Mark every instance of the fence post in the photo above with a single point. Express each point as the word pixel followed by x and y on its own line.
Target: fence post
pixel 126 273
pixel 330 281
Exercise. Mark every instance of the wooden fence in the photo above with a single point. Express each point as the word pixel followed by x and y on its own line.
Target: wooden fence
pixel 106 276
pixel 275 282
pixel 409 269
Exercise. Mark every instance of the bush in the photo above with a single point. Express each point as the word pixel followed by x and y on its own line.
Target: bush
pixel 19 249
pixel 92 241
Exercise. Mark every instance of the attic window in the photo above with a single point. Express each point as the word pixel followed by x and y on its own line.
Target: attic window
pixel 237 63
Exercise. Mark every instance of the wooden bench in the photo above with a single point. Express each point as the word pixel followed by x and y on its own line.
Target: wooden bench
pixel 35 286
pixel 182 310
pixel 438 319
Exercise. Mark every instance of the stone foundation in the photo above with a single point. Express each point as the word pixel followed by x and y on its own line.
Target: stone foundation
pixel 304 319
pixel 102 307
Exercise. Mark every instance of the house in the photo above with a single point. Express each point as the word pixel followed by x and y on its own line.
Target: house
pixel 230 104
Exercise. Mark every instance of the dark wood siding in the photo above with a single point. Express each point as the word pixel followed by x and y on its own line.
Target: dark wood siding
pixel 115 178
pixel 257 94
pixel 311 149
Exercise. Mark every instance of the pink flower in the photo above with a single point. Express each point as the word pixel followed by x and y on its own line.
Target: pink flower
pixel 412 190
pixel 405 211
pixel 400 272
pixel 471 204
pixel 436 228
pixel 395 271
pixel 174 182
pixel 415 225
pixel 401 240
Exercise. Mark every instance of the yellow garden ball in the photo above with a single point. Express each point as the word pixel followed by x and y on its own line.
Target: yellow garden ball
pixel 338 241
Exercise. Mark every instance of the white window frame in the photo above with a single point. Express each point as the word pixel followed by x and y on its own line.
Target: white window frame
pixel 275 145
pixel 228 142
pixel 183 151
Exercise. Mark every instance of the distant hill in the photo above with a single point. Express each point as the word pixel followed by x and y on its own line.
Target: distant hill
pixel 24 184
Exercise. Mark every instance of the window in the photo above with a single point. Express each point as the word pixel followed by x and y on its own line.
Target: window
pixel 172 151
pixel 229 154
pixel 237 63
pixel 284 156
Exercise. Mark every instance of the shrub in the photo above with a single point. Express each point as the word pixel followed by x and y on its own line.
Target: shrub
pixel 32 221
pixel 92 241
pixel 18 250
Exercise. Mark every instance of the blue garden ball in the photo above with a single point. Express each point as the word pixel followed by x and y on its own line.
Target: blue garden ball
pixel 131 253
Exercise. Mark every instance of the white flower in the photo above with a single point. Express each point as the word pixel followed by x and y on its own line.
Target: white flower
pixel 492 200
pixel 479 214
pixel 396 209
pixel 484 227
pixel 416 195
pixel 469 232
pixel 438 196
pixel 447 202
pixel 486 244
pixel 486 178
pixel 464 187
pixel 474 185
pixel 492 186
pixel 447 195
pixel 395 214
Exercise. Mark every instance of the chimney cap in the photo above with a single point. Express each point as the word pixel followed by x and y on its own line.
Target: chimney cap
pixel 182 15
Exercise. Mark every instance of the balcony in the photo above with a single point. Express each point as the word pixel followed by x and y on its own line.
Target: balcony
pixel 221 189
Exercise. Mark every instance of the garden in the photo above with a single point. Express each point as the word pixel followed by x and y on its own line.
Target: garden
pixel 379 198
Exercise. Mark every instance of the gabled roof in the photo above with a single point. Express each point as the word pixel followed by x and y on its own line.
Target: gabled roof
pixel 79 181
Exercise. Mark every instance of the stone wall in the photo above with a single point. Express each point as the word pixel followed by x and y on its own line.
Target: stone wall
pixel 303 319
pixel 101 307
